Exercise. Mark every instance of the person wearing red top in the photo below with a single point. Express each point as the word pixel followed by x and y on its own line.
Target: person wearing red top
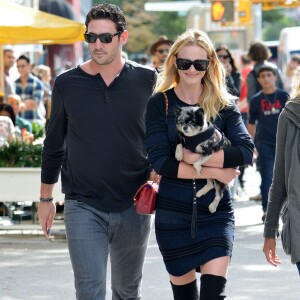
pixel 243 101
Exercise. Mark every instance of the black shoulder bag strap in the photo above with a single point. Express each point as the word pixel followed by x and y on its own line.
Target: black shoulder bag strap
pixel 170 120
pixel 258 86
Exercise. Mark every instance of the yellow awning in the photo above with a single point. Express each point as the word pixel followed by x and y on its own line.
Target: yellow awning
pixel 24 25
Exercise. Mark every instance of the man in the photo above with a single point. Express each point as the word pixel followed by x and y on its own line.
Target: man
pixel 30 89
pixel 259 54
pixel 159 51
pixel 96 132
pixel 264 111
pixel 9 60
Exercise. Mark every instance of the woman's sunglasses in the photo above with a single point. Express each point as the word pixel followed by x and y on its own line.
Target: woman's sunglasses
pixel 105 38
pixel 185 64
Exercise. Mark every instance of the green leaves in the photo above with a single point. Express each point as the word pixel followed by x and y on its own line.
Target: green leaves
pixel 20 155
pixel 37 130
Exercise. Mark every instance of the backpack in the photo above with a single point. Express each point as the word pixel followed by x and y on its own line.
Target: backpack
pixel 258 86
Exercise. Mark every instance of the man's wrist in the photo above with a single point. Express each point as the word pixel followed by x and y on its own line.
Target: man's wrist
pixel 46 199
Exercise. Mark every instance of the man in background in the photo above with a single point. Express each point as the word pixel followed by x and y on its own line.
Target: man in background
pixel 9 60
pixel 30 89
pixel 159 51
pixel 265 108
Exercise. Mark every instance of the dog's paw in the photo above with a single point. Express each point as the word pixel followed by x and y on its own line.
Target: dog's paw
pixel 212 207
pixel 198 166
pixel 179 152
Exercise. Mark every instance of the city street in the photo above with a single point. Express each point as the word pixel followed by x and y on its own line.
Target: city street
pixel 35 268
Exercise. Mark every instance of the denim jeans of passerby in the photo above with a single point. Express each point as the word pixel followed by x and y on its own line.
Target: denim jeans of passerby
pixel 298 266
pixel 92 235
pixel 266 160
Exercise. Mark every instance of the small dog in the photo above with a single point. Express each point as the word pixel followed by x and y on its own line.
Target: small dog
pixel 200 136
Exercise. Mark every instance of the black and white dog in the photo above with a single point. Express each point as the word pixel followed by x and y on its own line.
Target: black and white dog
pixel 200 136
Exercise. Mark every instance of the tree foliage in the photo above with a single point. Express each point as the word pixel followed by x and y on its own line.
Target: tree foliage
pixel 146 27
pixel 274 21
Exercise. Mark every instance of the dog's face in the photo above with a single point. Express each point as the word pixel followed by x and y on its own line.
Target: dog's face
pixel 190 120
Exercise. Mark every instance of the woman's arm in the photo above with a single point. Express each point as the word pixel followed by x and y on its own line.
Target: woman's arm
pixel 278 191
pixel 186 171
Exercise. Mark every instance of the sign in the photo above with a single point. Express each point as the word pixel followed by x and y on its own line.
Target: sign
pixel 222 11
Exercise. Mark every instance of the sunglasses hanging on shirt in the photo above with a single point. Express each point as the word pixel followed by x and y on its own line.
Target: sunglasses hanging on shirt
pixel 199 64
pixel 104 38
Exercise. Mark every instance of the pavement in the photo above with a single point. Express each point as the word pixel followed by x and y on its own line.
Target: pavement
pixel 32 267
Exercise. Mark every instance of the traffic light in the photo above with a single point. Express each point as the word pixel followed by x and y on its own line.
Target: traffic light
pixel 222 10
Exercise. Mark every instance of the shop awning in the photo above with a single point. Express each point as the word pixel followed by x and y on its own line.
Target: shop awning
pixel 24 25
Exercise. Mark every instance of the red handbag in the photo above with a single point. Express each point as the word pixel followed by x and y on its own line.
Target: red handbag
pixel 145 198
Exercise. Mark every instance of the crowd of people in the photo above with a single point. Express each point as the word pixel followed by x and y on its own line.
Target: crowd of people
pixel 28 98
pixel 111 126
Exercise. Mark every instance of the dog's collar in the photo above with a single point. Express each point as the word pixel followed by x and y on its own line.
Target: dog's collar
pixel 191 142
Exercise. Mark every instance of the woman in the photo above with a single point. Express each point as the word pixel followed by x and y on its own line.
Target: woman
pixel 7 125
pixel 233 76
pixel 192 75
pixel 285 183
pixel 290 71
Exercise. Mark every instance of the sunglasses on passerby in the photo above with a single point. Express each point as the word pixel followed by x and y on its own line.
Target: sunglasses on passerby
pixel 199 64
pixel 104 38
pixel 223 56
pixel 161 51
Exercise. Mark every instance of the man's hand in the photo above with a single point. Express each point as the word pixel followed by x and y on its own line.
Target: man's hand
pixel 154 177
pixel 270 252
pixel 46 214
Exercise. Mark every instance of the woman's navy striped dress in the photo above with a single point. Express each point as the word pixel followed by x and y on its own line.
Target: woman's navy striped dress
pixel 189 235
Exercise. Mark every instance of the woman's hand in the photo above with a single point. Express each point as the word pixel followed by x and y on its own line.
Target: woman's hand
pixel 190 157
pixel 270 252
pixel 227 175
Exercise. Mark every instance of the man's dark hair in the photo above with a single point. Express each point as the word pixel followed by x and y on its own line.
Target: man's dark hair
pixel 8 50
pixel 25 58
pixel 107 11
pixel 259 52
pixel 296 58
pixel 265 69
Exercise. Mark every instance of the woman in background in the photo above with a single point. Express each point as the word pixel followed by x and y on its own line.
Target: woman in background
pixel 285 183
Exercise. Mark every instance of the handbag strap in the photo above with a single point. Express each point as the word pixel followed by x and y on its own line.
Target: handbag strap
pixel 171 121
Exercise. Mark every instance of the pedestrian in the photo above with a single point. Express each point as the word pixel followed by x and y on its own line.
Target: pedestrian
pixel 31 91
pixel 259 54
pixel 290 72
pixel 285 182
pixel 243 102
pixel 96 137
pixel 9 61
pixel 264 111
pixel 192 75
pixel 233 76
pixel 159 51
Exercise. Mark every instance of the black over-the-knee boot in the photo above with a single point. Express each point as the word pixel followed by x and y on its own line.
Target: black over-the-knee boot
pixel 185 292
pixel 212 287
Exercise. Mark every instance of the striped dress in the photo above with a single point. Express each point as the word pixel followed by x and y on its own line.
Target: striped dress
pixel 189 235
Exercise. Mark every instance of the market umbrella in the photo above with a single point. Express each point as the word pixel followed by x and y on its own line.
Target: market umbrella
pixel 24 25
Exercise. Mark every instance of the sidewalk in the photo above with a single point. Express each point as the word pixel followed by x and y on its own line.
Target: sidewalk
pixel 35 268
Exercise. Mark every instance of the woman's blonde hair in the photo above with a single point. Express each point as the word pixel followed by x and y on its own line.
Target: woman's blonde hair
pixel 214 96
pixel 295 95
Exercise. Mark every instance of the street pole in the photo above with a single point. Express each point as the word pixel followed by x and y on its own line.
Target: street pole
pixel 257 21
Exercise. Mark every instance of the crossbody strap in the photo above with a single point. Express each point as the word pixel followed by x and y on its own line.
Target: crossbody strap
pixel 171 121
